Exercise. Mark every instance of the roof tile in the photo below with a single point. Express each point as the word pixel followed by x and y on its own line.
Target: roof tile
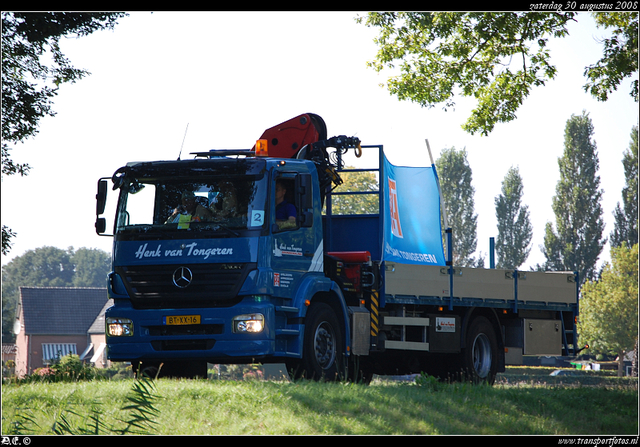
pixel 61 310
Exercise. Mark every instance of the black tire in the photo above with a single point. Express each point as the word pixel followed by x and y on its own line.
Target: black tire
pixel 145 369
pixel 322 356
pixel 480 356
pixel 178 370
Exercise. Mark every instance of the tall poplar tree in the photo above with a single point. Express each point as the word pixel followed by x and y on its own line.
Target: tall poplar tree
pixel 626 217
pixel 515 231
pixel 455 175
pixel 576 242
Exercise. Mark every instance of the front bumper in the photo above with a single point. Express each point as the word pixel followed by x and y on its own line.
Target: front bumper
pixel 213 339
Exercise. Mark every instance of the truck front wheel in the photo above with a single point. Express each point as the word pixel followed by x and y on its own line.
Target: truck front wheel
pixel 480 356
pixel 322 357
pixel 188 370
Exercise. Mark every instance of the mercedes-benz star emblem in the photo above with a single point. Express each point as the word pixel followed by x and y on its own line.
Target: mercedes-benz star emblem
pixel 182 277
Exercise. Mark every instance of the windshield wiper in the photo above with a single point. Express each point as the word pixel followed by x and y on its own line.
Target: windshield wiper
pixel 235 233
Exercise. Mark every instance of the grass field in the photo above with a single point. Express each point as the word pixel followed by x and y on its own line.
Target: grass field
pixel 521 403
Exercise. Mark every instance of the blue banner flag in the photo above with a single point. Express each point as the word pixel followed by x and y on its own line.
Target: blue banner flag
pixel 412 230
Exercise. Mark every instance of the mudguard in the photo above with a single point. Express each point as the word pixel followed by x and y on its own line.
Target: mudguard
pixel 314 284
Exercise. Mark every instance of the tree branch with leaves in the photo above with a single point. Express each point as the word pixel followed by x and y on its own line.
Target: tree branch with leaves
pixel 435 56
pixel 33 68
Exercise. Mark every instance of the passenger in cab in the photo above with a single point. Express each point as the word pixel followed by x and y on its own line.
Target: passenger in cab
pixel 285 212
pixel 189 211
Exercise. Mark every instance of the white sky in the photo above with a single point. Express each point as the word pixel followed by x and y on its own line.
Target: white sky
pixel 231 75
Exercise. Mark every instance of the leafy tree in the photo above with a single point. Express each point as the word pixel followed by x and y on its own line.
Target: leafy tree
pixel 578 242
pixel 356 203
pixel 91 266
pixel 50 267
pixel 620 58
pixel 515 231
pixel 609 307
pixel 455 177
pixel 497 58
pixel 626 217
pixel 42 267
pixel 33 68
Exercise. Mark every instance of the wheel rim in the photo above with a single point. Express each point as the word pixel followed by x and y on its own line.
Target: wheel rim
pixel 482 355
pixel 324 345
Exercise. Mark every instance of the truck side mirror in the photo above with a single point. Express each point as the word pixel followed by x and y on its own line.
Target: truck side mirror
pixel 305 191
pixel 101 225
pixel 101 197
pixel 101 203
pixel 305 194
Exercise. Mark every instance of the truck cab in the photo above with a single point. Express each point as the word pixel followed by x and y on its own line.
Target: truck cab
pixel 204 266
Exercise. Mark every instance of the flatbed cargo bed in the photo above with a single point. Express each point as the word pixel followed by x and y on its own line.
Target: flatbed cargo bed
pixel 424 284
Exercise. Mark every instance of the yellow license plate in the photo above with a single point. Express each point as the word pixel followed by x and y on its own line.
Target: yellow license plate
pixel 182 319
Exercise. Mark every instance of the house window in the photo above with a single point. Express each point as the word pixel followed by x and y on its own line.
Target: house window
pixel 54 351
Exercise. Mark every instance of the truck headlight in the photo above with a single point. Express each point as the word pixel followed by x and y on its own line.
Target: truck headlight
pixel 248 323
pixel 119 327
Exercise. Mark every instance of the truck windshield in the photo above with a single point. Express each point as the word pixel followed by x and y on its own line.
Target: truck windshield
pixel 177 208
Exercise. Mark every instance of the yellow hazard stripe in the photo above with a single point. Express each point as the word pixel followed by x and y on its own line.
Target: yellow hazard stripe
pixel 374 314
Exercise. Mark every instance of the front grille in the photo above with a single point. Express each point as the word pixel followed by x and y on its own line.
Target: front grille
pixel 212 285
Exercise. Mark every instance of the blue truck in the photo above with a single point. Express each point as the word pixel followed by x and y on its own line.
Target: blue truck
pixel 238 256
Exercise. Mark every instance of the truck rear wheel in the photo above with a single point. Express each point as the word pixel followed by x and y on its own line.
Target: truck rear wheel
pixel 480 357
pixel 322 358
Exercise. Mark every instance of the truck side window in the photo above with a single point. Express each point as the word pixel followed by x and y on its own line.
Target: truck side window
pixel 286 212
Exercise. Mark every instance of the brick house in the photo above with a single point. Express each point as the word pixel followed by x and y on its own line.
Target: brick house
pixel 55 321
